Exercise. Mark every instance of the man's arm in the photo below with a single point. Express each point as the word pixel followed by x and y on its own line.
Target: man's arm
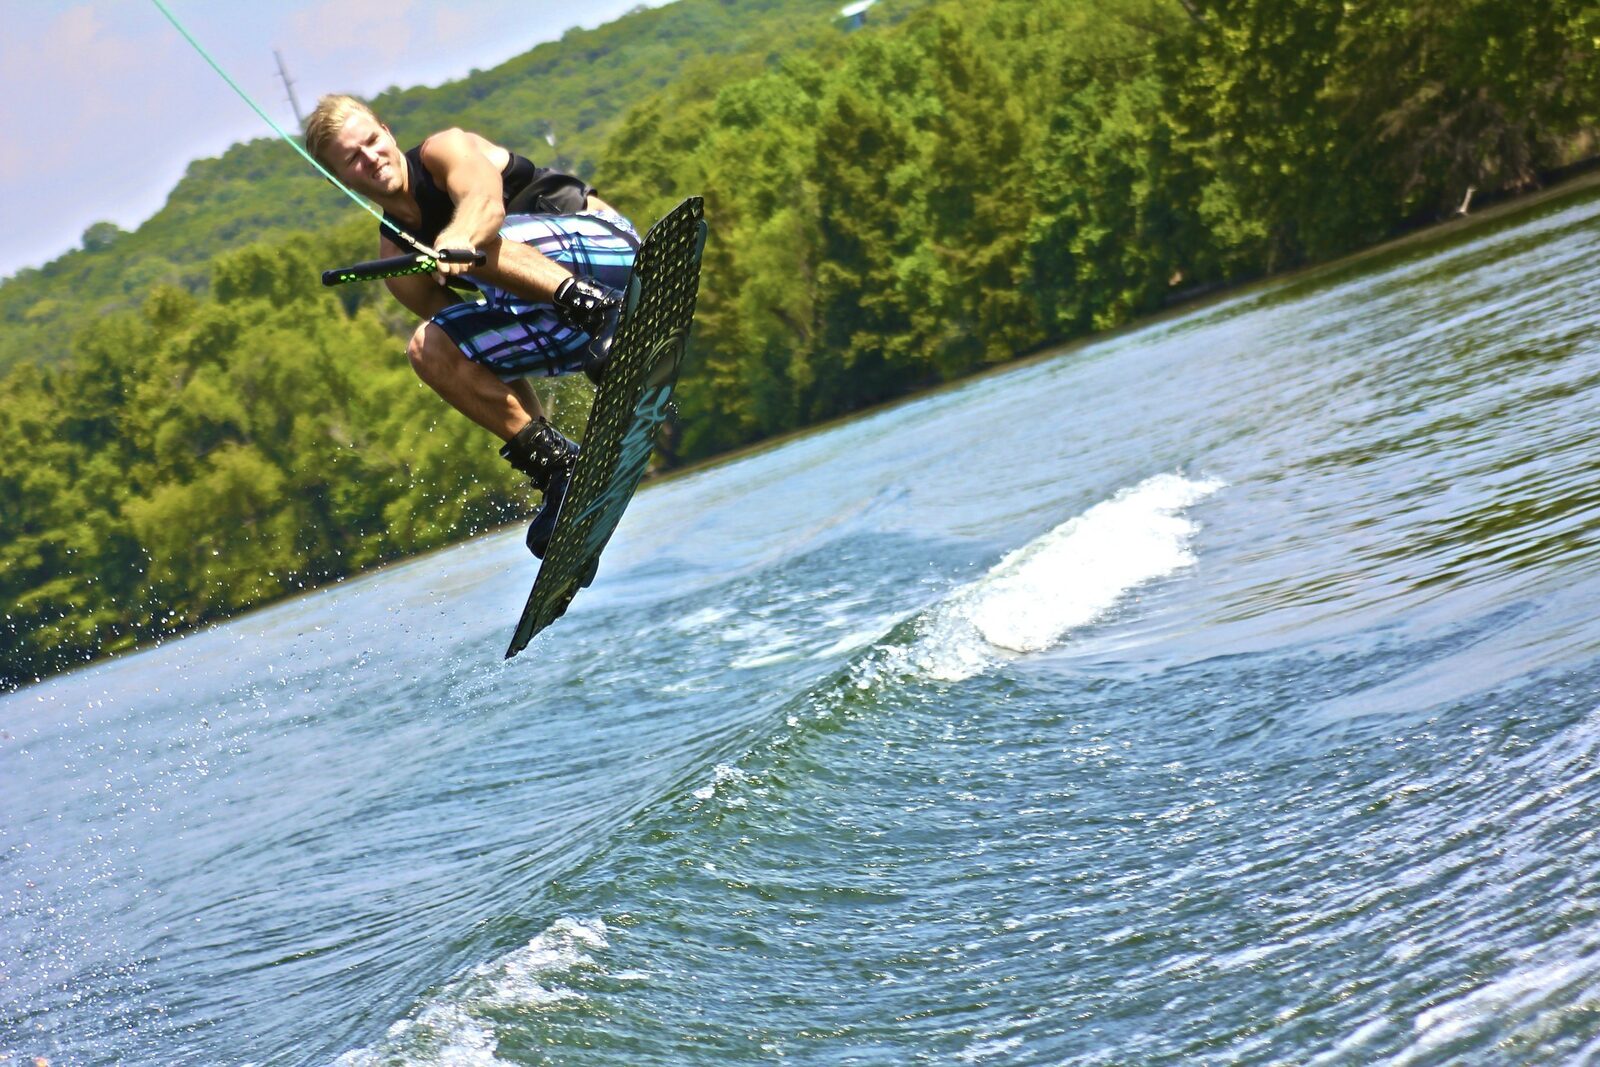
pixel 457 158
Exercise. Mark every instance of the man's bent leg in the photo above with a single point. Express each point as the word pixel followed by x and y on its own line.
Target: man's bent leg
pixel 532 445
pixel 471 388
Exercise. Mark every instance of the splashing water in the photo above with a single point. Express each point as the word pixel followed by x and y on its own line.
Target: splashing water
pixel 1068 578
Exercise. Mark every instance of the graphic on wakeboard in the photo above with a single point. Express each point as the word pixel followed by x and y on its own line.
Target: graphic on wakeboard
pixel 629 407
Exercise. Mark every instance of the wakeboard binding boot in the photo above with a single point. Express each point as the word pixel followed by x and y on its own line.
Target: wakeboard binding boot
pixel 585 304
pixel 548 458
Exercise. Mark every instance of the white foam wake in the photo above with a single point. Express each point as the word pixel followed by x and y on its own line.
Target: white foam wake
pixel 1067 578
pixel 455 1029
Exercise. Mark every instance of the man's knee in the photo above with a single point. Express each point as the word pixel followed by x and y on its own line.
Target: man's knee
pixel 432 353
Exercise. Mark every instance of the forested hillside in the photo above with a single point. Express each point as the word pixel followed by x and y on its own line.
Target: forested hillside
pixel 572 92
pixel 954 185
pixel 993 176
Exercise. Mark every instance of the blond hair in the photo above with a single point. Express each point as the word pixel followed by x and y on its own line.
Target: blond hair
pixel 329 117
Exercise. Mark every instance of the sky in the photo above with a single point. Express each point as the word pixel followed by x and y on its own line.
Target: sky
pixel 108 104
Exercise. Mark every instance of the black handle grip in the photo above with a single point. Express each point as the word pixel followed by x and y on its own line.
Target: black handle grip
pixel 399 266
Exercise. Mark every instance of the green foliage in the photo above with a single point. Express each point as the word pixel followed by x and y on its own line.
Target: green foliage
pixel 197 456
pixel 902 206
pixel 1463 94
pixel 101 236
pixel 575 90
pixel 1319 127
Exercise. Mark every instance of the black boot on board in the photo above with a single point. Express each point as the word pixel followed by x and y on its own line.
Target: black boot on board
pixel 585 304
pixel 548 458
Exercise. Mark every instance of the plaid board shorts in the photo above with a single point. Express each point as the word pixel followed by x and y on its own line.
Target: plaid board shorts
pixel 518 338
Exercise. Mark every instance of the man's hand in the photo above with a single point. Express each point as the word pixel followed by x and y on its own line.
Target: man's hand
pixel 452 239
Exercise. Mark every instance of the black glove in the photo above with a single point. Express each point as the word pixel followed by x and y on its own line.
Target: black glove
pixel 585 304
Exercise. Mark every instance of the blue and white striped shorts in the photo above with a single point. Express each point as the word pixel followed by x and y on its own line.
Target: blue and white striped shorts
pixel 518 338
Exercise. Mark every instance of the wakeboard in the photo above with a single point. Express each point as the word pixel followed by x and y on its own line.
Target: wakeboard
pixel 651 339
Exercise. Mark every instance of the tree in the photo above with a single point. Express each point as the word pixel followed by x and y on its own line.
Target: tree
pixel 1467 94
pixel 101 236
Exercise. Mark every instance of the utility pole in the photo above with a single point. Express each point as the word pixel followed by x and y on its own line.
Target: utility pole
pixel 288 87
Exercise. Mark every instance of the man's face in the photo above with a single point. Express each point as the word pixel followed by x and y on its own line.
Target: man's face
pixel 365 156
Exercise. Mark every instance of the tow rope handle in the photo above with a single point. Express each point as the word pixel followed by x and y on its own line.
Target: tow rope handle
pixel 399 266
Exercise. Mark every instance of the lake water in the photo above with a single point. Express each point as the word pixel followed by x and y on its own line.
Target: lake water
pixel 1224 692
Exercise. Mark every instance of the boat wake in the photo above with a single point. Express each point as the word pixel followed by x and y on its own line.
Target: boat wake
pixel 1068 578
pixel 1031 600
pixel 456 1028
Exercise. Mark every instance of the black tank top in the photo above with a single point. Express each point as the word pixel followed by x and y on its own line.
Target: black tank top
pixel 529 190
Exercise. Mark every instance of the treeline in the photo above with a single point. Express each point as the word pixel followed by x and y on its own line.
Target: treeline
pixel 991 177
pixel 199 456
pixel 558 103
pixel 890 208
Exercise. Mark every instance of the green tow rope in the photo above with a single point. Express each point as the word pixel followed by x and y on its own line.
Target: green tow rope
pixel 374 212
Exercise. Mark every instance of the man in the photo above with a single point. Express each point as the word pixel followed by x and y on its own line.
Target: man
pixel 555 257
